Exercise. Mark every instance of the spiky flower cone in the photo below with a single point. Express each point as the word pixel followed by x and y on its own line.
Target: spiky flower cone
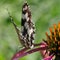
pixel 53 41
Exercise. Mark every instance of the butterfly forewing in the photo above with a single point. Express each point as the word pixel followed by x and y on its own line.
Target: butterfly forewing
pixel 27 27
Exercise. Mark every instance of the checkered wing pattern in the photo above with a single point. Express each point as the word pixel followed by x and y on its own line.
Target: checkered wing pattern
pixel 27 27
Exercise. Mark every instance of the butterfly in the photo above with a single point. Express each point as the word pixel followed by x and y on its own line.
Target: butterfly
pixel 27 33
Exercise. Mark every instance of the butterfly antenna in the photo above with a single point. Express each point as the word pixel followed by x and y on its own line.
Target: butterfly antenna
pixel 15 26
pixel 11 19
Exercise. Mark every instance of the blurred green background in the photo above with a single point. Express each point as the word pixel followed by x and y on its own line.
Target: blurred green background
pixel 44 14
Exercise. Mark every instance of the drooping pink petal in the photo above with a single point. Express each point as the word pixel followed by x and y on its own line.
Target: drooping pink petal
pixel 21 52
pixel 26 52
pixel 48 58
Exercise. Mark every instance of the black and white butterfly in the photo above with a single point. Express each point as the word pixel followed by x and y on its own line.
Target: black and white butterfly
pixel 27 33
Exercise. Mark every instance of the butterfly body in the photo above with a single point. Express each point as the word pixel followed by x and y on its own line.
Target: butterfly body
pixel 27 32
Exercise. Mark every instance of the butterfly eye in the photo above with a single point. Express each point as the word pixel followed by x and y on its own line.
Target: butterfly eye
pixel 27 30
